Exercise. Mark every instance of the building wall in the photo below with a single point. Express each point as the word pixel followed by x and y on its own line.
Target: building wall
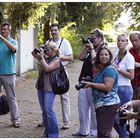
pixel 26 42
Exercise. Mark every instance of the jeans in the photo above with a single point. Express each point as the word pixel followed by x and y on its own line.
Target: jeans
pixel 46 100
pixel 125 94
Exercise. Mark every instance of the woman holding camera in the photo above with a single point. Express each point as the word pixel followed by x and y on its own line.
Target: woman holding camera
pixel 105 98
pixel 124 63
pixel 45 94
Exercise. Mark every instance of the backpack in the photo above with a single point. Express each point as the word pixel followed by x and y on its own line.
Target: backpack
pixel 59 80
pixel 4 105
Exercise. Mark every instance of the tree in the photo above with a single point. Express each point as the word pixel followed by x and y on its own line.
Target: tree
pixel 23 14
pixel 89 15
pixel 134 8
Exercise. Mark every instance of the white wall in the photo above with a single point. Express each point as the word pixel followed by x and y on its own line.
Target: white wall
pixel 26 43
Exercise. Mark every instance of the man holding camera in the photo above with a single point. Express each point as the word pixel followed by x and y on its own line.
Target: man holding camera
pixel 66 55
pixel 8 49
pixel 135 105
pixel 88 124
pixel 135 51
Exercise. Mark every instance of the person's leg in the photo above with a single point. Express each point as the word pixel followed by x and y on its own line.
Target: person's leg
pixel 83 109
pixel 41 102
pixel 9 86
pixel 105 120
pixel 93 123
pixel 65 104
pixel 51 125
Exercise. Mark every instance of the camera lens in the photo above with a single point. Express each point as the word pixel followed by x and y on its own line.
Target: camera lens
pixel 79 86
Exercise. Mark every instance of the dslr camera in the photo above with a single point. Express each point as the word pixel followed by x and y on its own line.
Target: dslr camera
pixel 87 40
pixel 122 122
pixel 38 50
pixel 81 85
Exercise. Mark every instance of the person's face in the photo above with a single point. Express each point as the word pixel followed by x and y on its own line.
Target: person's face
pixel 135 41
pixel 55 32
pixel 49 51
pixel 104 56
pixel 5 31
pixel 122 42
pixel 96 40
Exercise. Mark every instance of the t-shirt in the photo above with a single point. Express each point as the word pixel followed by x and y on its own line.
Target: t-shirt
pixel 104 98
pixel 136 80
pixel 125 64
pixel 7 58
pixel 65 49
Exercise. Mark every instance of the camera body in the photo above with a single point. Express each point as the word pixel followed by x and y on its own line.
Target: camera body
pixel 122 122
pixel 87 40
pixel 38 50
pixel 81 85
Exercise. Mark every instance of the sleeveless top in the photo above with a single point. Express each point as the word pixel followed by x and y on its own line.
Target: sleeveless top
pixel 43 78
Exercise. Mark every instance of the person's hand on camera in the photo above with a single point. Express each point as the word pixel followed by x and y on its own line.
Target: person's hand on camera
pixel 89 46
pixel 39 55
pixel 128 105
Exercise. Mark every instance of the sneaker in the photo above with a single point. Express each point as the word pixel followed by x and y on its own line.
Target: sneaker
pixel 77 134
pixel 40 125
pixel 16 124
pixel 66 126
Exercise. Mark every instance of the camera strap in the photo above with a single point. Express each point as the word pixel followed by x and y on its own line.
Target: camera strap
pixel 60 42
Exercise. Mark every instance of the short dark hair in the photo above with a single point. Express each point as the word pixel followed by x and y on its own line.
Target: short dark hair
pixel 6 24
pixel 55 24
pixel 134 32
pixel 97 60
pixel 98 33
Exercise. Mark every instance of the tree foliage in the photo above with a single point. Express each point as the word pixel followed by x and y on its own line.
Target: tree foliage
pixel 134 8
pixel 23 14
pixel 88 15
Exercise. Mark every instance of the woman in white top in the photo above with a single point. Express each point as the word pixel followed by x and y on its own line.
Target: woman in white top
pixel 124 63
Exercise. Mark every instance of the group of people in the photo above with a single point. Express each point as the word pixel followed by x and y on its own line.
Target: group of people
pixel 114 82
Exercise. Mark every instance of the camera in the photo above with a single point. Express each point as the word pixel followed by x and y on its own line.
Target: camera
pixel 87 40
pixel 38 50
pixel 121 110
pixel 81 85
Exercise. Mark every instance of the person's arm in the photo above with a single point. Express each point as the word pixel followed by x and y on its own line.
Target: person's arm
pixel 106 86
pixel 66 58
pixel 131 115
pixel 128 74
pixel 9 44
pixel 137 64
pixel 47 67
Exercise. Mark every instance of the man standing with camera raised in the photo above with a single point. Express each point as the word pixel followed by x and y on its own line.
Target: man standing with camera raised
pixel 85 102
pixel 66 55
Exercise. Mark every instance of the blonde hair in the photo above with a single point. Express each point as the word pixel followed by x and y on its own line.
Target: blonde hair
pixel 53 46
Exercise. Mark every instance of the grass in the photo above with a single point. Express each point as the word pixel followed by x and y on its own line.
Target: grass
pixel 31 74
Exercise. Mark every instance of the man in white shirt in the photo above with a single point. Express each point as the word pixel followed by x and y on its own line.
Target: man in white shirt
pixel 66 55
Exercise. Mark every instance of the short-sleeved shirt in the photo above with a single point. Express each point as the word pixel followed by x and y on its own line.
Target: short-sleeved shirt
pixel 136 80
pixel 7 58
pixel 65 49
pixel 106 98
pixel 125 64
